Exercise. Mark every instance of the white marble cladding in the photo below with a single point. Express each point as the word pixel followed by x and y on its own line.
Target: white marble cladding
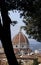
pixel 22 45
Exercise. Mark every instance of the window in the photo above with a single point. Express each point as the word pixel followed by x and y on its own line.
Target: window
pixel 22 45
pixel 16 46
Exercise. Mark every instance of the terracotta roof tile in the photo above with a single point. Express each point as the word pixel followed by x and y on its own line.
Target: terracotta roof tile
pixel 22 38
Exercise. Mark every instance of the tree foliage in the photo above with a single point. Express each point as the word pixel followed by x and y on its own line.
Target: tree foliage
pixel 32 19
pixel 33 28
pixel 35 62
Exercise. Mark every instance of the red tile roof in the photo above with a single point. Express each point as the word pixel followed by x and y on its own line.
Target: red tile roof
pixel 22 37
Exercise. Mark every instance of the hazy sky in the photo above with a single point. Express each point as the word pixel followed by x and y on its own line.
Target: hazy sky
pixel 16 17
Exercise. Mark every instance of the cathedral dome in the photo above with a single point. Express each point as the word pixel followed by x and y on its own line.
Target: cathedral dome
pixel 20 38
pixel 20 43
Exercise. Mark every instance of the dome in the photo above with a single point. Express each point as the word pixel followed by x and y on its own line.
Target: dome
pixel 20 38
pixel 20 43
